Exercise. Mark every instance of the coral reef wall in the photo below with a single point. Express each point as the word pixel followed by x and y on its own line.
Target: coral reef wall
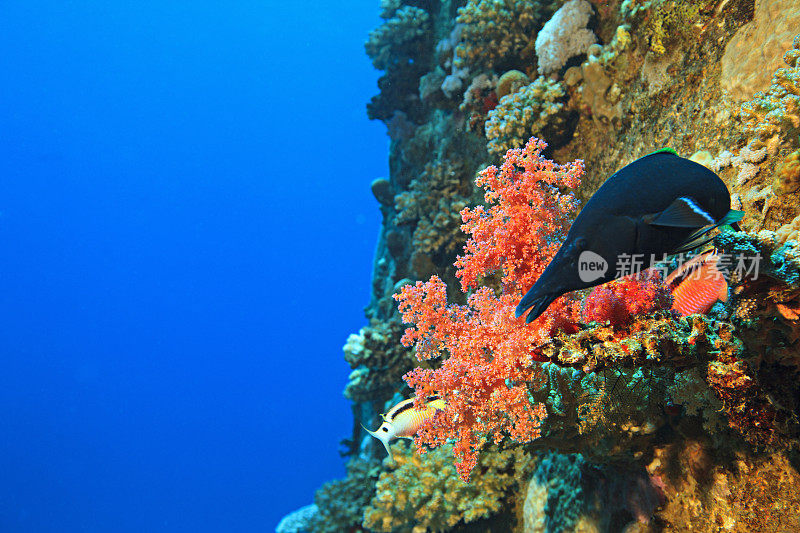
pixel 654 422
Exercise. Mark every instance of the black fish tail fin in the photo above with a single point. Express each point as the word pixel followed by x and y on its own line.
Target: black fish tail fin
pixel 536 302
pixel 696 239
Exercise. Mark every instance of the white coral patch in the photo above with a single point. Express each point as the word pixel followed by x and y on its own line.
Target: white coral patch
pixel 564 36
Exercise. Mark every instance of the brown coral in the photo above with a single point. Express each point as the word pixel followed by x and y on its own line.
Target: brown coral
pixel 743 401
pixel 511 82
pixel 705 492
pixel 378 361
pixel 499 32
pixel 777 111
pixel 787 174
pixel 424 493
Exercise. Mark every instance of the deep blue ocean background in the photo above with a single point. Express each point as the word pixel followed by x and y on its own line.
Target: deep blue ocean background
pixel 186 240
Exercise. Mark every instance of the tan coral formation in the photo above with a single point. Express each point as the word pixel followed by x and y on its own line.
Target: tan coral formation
pixel 378 361
pixel 433 203
pixel 776 111
pixel 741 494
pixel 787 175
pixel 789 231
pixel 404 27
pixel 522 115
pixel 510 82
pixel 424 493
pixel 755 52
pixel 495 31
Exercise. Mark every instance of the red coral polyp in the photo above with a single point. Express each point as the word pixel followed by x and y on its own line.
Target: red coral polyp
pixel 620 301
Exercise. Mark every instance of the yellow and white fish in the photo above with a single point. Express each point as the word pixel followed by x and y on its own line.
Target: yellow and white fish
pixel 404 420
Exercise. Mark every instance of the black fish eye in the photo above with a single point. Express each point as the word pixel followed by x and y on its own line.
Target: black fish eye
pixel 386 430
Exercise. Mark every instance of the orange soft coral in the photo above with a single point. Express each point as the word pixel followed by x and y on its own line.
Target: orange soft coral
pixel 489 355
pixel 526 221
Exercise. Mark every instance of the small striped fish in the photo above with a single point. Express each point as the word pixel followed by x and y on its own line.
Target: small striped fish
pixel 404 420
pixel 701 287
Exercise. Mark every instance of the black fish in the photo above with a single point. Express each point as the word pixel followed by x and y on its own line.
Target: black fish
pixel 659 204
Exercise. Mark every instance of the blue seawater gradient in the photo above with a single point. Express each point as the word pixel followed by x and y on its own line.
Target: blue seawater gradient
pixel 186 238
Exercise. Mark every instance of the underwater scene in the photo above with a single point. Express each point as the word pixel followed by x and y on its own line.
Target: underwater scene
pixel 585 306
pixel 400 266
pixel 186 240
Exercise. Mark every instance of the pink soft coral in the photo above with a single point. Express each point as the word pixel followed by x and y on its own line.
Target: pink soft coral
pixel 619 301
pixel 488 354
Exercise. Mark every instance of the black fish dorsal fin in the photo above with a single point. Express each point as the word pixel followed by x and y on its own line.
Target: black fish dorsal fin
pixel 682 213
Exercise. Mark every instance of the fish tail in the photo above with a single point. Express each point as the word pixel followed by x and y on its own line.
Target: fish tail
pixel 383 440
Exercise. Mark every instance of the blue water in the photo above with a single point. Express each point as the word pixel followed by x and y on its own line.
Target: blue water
pixel 186 237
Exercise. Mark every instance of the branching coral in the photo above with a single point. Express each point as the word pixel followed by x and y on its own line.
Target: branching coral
pixel 746 161
pixel 777 111
pixel 498 32
pixel 483 381
pixel 488 353
pixel 424 493
pixel 522 114
pixel 525 218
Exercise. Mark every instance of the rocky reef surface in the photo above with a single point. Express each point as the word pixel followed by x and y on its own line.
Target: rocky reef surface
pixel 617 414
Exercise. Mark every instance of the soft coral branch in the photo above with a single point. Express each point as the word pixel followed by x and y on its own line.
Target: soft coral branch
pixel 489 357
pixel 526 221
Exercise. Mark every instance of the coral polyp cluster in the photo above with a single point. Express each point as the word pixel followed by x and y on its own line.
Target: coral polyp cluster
pixel 620 301
pixel 521 114
pixel 495 33
pixel 777 111
pixel 424 492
